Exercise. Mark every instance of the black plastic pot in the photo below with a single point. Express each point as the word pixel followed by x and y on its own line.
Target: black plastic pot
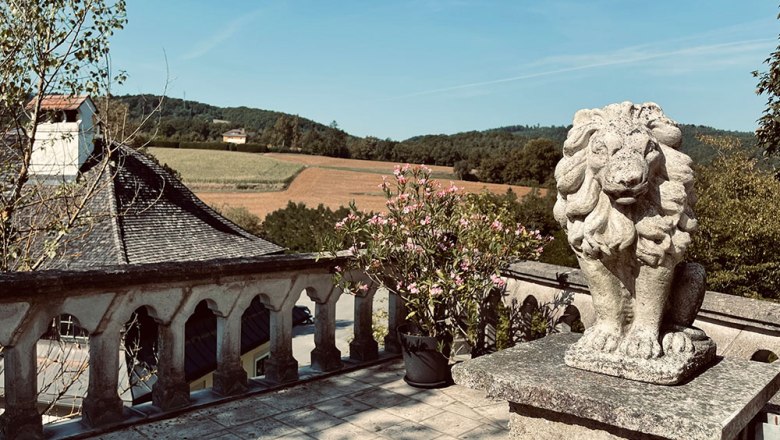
pixel 426 366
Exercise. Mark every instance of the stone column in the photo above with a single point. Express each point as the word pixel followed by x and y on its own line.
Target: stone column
pixel 325 356
pixel 281 367
pixel 102 405
pixel 396 316
pixel 21 419
pixel 230 377
pixel 171 389
pixel 363 347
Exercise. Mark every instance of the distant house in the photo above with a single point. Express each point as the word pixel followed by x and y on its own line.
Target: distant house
pixel 65 136
pixel 235 136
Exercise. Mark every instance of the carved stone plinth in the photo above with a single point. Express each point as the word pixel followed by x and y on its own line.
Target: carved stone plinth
pixel 281 370
pixel 326 359
pixel 550 400
pixel 102 412
pixel 18 423
pixel 170 395
pixel 365 349
pixel 230 383
pixel 671 369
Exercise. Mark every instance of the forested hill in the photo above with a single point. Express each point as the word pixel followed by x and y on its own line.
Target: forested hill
pixel 517 154
pixel 691 144
pixel 178 111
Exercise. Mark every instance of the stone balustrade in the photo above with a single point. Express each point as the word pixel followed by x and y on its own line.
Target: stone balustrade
pixel 102 301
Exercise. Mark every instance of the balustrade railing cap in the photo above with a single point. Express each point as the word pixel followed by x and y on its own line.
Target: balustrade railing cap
pixel 25 284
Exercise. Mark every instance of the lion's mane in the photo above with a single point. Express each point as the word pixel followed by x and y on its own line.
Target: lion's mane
pixel 658 223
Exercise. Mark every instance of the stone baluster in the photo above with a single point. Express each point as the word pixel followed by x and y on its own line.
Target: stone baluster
pixel 21 419
pixel 281 366
pixel 396 316
pixel 363 347
pixel 230 377
pixel 325 356
pixel 171 390
pixel 102 405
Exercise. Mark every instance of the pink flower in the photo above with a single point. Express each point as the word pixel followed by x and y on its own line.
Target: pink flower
pixel 426 220
pixel 497 281
pixel 436 290
pixel 363 287
pixel 413 288
pixel 496 225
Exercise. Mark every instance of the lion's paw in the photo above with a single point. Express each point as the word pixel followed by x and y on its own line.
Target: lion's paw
pixel 678 342
pixel 600 338
pixel 641 343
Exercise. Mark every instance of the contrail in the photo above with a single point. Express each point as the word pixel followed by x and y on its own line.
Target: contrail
pixel 616 58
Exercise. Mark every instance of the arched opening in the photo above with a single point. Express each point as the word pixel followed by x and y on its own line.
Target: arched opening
pixel 255 334
pixel 571 318
pixel 200 347
pixel 63 368
pixel 140 356
pixel 765 356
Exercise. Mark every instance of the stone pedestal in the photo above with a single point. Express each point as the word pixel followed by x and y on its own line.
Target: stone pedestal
pixel 549 400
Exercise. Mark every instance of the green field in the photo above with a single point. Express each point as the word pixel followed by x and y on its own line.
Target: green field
pixel 205 168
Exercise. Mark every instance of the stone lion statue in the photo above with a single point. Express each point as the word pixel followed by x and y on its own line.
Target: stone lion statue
pixel 625 199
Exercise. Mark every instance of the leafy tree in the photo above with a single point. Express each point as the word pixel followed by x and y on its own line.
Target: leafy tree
pixel 768 132
pixel 242 217
pixel 301 229
pixel 739 228
pixel 57 46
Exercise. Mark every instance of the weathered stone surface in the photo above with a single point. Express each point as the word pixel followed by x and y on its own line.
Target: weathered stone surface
pixel 716 404
pixel 666 370
pixel 625 199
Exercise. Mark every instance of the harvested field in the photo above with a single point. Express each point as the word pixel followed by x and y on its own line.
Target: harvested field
pixel 333 188
pixel 201 169
pixel 439 172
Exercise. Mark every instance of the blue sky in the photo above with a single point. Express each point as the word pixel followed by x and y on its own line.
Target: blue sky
pixel 403 68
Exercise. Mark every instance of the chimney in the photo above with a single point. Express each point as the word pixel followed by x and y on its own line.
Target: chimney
pixel 65 137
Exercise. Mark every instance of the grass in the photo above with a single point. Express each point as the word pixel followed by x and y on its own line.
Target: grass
pixel 248 170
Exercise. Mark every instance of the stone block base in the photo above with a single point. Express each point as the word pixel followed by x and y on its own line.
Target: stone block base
pixel 552 400
pixel 670 369
pixel 230 383
pixel 281 371
pixel 17 423
pixel 326 359
pixel 527 423
pixel 364 350
pixel 102 412
pixel 168 396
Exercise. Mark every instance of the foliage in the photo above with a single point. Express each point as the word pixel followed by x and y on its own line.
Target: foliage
pixel 242 217
pixel 530 320
pixel 768 131
pixel 439 250
pixel 301 229
pixel 739 227
pixel 58 46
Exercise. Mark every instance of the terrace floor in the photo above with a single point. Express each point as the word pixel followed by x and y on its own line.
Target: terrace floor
pixel 371 403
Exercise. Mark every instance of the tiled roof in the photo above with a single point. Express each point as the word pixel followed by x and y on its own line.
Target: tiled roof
pixel 60 102
pixel 235 132
pixel 148 216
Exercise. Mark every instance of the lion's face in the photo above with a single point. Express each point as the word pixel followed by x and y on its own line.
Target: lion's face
pixel 622 182
pixel 622 160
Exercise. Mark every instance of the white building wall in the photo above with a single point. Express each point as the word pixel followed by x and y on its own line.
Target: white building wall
pixel 62 147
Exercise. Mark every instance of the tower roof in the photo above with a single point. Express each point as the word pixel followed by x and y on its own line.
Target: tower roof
pixel 149 216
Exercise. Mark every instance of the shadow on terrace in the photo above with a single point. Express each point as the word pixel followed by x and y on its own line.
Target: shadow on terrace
pixel 359 394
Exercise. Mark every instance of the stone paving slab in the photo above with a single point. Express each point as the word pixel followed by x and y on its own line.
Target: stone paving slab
pixel 372 403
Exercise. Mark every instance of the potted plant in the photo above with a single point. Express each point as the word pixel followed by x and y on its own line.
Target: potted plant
pixel 441 251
